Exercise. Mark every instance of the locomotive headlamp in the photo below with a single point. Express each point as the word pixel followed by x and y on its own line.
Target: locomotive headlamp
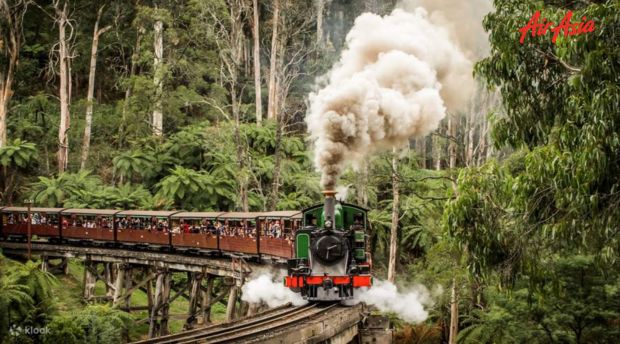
pixel 328 224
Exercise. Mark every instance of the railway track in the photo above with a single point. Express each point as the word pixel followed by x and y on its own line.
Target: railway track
pixel 244 328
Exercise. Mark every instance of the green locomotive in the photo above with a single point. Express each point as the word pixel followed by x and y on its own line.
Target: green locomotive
pixel 331 258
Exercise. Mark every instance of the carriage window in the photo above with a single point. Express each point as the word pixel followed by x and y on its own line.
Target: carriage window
pixel 239 228
pixel 275 228
pixel 87 221
pixel 195 226
pixel 143 223
pixel 36 218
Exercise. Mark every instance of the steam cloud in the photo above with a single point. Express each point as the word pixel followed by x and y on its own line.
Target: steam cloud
pixel 395 80
pixel 264 289
pixel 409 305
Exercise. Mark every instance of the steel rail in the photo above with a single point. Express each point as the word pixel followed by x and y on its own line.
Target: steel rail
pixel 265 316
pixel 262 327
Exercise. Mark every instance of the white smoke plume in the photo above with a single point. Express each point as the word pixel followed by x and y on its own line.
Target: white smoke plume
pixel 268 289
pixel 395 80
pixel 342 193
pixel 409 305
pixel 462 19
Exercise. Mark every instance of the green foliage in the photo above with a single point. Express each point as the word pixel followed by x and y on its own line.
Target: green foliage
pixel 574 306
pixel 562 195
pixel 194 190
pixel 16 159
pixel 94 324
pixel 84 190
pixel 18 154
pixel 133 163
pixel 25 295
pixel 544 221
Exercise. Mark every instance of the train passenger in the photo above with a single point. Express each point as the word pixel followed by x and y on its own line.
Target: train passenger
pixel 211 228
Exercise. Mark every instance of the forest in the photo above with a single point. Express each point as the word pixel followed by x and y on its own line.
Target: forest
pixel 510 206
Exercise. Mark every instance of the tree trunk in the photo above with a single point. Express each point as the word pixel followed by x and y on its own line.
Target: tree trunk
pixel 65 88
pixel 454 314
pixel 257 85
pixel 482 143
pixel 436 152
pixel 452 141
pixel 158 48
pixel 91 89
pixel 421 148
pixel 361 184
pixel 128 91
pixel 320 6
pixel 6 92
pixel 394 229
pixel 470 127
pixel 242 177
pixel 12 15
pixel 275 185
pixel 271 103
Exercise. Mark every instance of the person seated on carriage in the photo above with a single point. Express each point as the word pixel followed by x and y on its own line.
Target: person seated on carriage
pixel 195 229
pixel 185 227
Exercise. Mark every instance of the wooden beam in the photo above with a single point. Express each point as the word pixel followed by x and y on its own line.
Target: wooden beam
pixel 99 277
pixel 148 278
pixel 206 299
pixel 120 277
pixel 232 303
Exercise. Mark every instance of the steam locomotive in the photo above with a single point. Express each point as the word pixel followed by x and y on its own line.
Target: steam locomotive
pixel 330 257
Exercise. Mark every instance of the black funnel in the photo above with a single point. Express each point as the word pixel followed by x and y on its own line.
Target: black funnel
pixel 329 208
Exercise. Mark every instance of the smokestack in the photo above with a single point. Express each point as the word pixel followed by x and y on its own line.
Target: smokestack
pixel 329 208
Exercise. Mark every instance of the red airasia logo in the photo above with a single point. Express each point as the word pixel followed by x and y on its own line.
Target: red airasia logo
pixel 541 28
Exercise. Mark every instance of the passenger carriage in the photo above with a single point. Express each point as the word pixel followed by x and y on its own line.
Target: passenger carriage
pixel 241 233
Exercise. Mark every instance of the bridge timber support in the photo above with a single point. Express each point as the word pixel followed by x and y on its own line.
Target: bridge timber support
pixel 162 276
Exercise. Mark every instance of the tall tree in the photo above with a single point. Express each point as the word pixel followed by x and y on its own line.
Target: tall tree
pixel 558 194
pixel 158 56
pixel 135 56
pixel 91 88
pixel 394 226
pixel 320 7
pixel 64 61
pixel 226 21
pixel 272 100
pixel 452 141
pixel 12 14
pixel 291 53
pixel 257 84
